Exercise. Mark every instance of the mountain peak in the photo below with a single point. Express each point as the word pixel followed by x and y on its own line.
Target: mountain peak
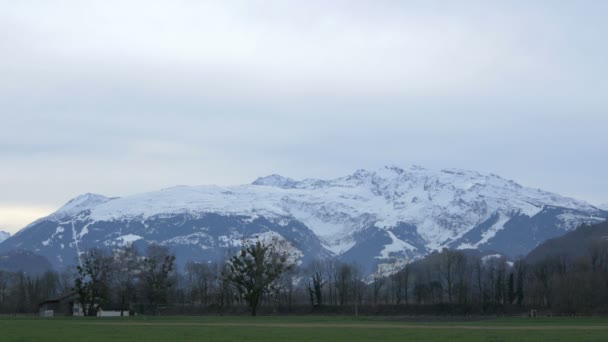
pixel 80 203
pixel 276 181
pixel 462 172
pixel 361 173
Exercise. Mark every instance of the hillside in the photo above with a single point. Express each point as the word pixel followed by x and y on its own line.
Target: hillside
pixel 24 261
pixel 573 244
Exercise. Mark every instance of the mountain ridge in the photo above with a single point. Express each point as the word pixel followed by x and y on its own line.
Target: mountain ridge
pixel 368 217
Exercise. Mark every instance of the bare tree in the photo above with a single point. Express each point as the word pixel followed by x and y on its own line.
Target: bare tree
pixel 343 283
pixel 126 267
pixel 377 284
pixel 4 282
pixel 200 277
pixel 315 289
pixel 255 268
pixel 91 280
pixel 400 281
pixel 452 268
pixel 316 283
pixel 157 275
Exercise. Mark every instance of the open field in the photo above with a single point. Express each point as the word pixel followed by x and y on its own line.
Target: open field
pixel 300 329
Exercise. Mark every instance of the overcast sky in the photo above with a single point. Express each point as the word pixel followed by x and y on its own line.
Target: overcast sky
pixel 120 97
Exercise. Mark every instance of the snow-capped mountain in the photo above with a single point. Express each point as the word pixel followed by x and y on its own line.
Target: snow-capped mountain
pixel 369 217
pixel 4 235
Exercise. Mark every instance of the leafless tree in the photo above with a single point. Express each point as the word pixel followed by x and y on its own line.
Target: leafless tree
pixel 255 268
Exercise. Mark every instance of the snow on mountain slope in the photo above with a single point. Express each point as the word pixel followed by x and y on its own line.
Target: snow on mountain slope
pixel 4 235
pixel 443 205
pixel 241 200
pixel 73 207
pixel 390 212
pixel 79 204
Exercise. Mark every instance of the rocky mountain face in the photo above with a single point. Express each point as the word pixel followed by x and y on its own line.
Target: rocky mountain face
pixel 368 217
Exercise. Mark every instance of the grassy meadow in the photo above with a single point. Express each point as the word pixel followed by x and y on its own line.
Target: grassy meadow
pixel 294 329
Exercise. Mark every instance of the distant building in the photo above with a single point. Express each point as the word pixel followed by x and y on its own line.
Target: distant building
pixel 68 305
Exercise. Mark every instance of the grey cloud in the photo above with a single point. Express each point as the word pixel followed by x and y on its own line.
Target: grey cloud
pixel 118 97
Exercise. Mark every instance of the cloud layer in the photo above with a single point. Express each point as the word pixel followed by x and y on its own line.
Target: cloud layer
pixel 120 97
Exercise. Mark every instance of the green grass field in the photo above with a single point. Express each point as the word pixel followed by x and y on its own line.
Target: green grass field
pixel 293 329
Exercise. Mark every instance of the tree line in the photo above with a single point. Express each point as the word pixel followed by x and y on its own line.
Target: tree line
pixel 262 277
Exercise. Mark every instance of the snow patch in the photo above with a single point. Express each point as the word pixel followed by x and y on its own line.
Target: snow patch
pixel 487 258
pixel 58 231
pixel 282 245
pixel 571 220
pixel 488 234
pixel 340 246
pixel 198 239
pixel 128 239
pixel 4 235
pixel 387 269
pixel 83 232
pixel 396 245
pixel 233 240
